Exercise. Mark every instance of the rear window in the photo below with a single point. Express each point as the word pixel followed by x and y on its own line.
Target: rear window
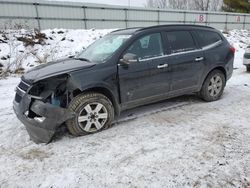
pixel 207 38
pixel 180 41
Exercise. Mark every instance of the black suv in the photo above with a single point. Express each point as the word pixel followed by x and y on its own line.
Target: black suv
pixel 124 69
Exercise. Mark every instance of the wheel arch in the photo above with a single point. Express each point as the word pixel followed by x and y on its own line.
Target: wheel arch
pixel 204 91
pixel 102 90
pixel 222 69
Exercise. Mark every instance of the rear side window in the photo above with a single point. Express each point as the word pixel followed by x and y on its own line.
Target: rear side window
pixel 180 41
pixel 207 38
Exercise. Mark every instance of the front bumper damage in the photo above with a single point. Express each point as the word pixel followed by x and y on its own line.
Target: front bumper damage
pixel 40 131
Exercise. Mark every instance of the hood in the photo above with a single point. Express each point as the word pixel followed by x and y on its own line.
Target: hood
pixel 55 68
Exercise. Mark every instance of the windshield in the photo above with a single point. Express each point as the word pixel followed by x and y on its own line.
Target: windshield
pixel 103 48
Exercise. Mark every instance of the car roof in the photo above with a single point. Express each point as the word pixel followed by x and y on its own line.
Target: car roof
pixel 172 26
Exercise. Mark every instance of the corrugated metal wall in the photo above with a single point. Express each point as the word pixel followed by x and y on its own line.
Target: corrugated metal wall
pixel 51 14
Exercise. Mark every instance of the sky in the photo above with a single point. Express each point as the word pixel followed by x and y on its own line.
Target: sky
pixel 139 3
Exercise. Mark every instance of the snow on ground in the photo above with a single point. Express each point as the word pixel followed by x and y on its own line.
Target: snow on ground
pixel 57 43
pixel 181 142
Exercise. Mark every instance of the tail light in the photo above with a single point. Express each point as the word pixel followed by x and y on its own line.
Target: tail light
pixel 232 49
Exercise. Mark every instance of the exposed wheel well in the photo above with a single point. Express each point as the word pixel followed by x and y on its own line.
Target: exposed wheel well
pixel 103 91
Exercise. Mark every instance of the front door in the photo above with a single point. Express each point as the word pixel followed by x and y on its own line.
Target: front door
pixel 148 76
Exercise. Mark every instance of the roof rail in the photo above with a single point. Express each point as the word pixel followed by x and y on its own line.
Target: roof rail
pixel 159 26
pixel 126 29
pixel 166 25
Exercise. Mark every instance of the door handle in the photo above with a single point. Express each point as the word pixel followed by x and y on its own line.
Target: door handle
pixel 199 59
pixel 162 66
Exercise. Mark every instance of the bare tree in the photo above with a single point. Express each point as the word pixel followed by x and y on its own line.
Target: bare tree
pixel 162 3
pixel 157 4
pixel 206 5
pixel 178 4
pixel 202 5
pixel 151 4
pixel 216 5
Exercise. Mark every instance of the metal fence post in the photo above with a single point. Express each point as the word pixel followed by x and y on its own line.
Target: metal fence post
pixel 126 17
pixel 84 17
pixel 184 21
pixel 37 15
pixel 206 23
pixel 158 17
pixel 244 22
pixel 226 24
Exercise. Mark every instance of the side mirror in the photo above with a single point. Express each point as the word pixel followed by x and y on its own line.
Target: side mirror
pixel 129 58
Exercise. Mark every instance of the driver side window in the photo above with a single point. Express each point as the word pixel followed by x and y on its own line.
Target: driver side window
pixel 147 46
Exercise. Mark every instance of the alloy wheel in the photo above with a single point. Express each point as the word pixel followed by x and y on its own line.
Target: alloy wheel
pixel 92 117
pixel 215 86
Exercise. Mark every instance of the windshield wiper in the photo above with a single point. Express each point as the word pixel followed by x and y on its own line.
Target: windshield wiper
pixel 81 59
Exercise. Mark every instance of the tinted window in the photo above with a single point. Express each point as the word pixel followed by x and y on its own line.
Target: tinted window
pixel 103 48
pixel 208 37
pixel 147 46
pixel 180 41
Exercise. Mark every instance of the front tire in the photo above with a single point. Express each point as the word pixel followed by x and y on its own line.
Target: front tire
pixel 213 86
pixel 94 112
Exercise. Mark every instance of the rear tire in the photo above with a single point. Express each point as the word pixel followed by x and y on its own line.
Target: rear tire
pixel 213 86
pixel 248 68
pixel 94 112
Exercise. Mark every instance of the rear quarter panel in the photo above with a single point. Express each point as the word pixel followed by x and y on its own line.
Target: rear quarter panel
pixel 219 56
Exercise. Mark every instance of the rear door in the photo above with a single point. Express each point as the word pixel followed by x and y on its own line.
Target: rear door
pixel 186 60
pixel 211 42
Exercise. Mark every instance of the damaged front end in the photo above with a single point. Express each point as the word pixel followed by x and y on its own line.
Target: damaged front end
pixel 42 106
